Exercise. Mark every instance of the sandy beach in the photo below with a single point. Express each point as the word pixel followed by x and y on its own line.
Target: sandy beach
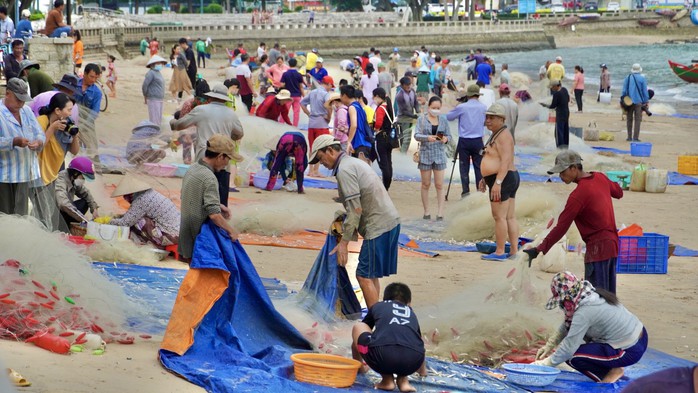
pixel 664 303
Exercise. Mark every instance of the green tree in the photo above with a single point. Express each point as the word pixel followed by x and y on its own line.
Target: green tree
pixel 416 8
pixel 348 5
pixel 24 4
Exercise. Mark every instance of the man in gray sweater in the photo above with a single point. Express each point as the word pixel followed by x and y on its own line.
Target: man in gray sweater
pixel 210 119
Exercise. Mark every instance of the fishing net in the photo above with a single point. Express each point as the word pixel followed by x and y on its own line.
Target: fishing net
pixel 50 295
pixel 491 323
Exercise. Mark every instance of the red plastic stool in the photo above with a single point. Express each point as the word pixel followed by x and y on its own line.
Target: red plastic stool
pixel 173 249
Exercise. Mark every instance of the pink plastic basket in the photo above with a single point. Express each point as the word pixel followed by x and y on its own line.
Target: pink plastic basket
pixel 160 170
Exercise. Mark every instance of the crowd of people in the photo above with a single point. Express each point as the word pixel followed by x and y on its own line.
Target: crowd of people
pixel 634 97
pixel 374 112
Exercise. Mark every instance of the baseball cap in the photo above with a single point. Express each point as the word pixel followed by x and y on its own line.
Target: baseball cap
pixel 559 58
pixel 314 50
pixel 320 60
pixel 221 144
pixel 321 142
pixel 564 160
pixel 396 50
pixel 328 80
pixel 473 90
pixel 504 88
pixel 603 65
pixel 19 88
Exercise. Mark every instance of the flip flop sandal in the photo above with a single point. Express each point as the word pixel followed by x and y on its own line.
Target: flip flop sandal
pixel 17 379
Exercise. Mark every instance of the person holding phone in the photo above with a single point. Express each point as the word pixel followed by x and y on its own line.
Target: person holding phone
pixel 433 132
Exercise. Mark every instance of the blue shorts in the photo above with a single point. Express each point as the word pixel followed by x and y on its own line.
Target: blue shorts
pixel 378 257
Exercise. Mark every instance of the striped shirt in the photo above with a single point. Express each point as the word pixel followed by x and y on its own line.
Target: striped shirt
pixel 18 164
pixel 199 200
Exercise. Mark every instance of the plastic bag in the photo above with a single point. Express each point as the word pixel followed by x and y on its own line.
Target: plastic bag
pixel 637 180
pixel 591 132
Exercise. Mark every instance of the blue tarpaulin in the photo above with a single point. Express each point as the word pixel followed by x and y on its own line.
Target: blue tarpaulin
pixel 610 149
pixel 219 370
pixel 678 179
pixel 242 343
pixel 326 283
pixel 681 251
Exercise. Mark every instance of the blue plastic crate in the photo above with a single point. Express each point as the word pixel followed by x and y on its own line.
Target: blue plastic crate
pixel 640 149
pixel 647 254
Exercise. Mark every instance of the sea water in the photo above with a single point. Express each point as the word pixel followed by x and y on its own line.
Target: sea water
pixel 619 59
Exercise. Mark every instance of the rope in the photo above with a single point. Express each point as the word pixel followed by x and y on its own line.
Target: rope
pixel 681 71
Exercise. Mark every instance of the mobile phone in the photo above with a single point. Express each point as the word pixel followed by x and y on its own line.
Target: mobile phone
pixel 439 135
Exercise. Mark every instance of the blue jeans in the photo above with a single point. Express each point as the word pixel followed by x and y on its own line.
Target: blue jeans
pixel 57 33
pixel 469 148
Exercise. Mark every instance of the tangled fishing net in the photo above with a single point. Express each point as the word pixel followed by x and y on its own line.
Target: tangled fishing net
pixel 51 296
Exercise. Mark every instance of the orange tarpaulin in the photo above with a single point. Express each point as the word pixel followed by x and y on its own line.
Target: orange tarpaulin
pixel 200 290
pixel 305 240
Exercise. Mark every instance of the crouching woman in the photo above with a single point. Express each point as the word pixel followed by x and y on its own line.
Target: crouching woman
pixel 598 337
pixel 152 217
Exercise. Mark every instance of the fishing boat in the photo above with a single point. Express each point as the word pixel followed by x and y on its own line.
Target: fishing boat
pixel 590 16
pixel 679 15
pixel 570 20
pixel 687 73
pixel 648 22
pixel 666 12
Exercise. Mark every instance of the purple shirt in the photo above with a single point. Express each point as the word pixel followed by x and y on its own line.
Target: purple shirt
pixel 44 99
pixel 471 118
pixel 292 80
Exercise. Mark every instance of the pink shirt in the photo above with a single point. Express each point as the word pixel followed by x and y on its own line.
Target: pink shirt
pixel 341 126
pixel 275 72
pixel 578 81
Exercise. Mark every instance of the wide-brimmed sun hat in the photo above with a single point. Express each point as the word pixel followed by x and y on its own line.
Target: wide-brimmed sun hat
pixel 284 94
pixel 219 92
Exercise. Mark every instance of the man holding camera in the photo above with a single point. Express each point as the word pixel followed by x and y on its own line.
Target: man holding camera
pixel 471 127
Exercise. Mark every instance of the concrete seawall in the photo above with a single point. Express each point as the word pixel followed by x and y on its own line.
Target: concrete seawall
pixel 347 39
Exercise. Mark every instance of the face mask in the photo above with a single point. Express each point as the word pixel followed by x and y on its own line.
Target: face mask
pixel 79 182
pixel 435 112
pixel 158 67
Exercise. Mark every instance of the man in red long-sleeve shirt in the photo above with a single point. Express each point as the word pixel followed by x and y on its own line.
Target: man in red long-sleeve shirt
pixel 274 107
pixel 591 209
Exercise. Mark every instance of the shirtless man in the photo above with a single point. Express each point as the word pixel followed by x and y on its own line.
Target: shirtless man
pixel 502 178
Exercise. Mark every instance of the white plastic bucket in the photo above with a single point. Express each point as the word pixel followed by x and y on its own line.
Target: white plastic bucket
pixel 656 180
pixel 605 98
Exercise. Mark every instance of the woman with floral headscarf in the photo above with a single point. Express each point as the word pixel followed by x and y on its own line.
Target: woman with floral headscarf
pixel 598 337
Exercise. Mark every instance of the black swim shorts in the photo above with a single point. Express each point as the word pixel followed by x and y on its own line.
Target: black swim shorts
pixel 389 359
pixel 509 185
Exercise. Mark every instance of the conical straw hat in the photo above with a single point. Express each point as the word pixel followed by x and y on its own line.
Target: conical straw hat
pixel 129 185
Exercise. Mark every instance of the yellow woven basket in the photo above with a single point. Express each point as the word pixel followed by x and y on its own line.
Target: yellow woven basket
pixel 326 370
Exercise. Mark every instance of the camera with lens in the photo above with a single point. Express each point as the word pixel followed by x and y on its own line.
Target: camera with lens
pixel 71 127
